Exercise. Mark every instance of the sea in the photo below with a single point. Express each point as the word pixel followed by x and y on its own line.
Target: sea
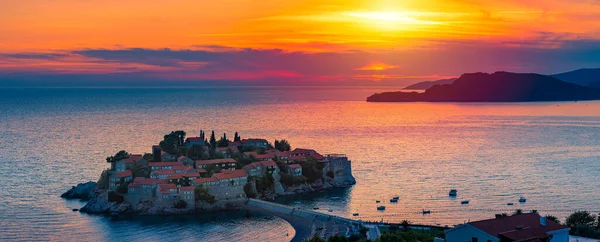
pixel 492 153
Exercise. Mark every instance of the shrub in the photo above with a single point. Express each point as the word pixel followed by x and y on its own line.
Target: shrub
pixel 115 197
pixel 180 204
pixel 290 180
pixel 249 192
pixel 312 169
pixel 580 218
pixel 201 194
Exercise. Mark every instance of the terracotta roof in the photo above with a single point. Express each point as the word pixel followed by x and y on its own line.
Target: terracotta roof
pixel 318 156
pixel 264 156
pixel 228 174
pixel 125 173
pixel 204 180
pixel 295 166
pixel 235 143
pixel 183 168
pixel 297 158
pixel 268 163
pixel 144 181
pixel 176 176
pixel 217 161
pixel 302 151
pixel 250 166
pixel 164 172
pixel 201 170
pixel 517 227
pixel 256 164
pixel 191 174
pixel 250 153
pixel 134 185
pixel 167 186
pixel 253 140
pixel 285 153
pixel 161 181
pixel 194 139
pixel 186 188
pixel 181 158
pixel 133 158
pixel 165 164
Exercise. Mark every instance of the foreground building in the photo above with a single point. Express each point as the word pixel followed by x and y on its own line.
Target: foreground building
pixel 520 227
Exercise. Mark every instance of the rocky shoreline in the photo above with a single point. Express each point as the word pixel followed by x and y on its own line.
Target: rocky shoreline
pixel 97 200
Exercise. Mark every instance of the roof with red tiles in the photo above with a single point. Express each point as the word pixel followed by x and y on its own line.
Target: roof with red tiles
pixel 295 166
pixel 250 166
pixel 204 180
pixel 133 158
pixel 216 161
pixel 268 163
pixel 302 151
pixel 194 139
pixel 161 181
pixel 181 158
pixel 167 186
pixel 134 185
pixel 144 181
pixel 125 173
pixel 518 227
pixel 228 174
pixel 164 172
pixel 187 188
pixel 201 170
pixel 183 168
pixel 173 163
pixel 264 156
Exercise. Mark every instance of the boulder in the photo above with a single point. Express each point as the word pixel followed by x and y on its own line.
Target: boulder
pixel 83 191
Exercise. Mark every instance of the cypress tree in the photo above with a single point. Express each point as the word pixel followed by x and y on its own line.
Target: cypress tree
pixel 213 140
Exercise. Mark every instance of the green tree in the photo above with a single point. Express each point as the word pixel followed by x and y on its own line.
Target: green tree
pixel 315 238
pixel 312 169
pixel 580 218
pixel 405 224
pixel 282 145
pixel 338 238
pixel 180 204
pixel 197 152
pixel 140 171
pixel 237 138
pixel 148 157
pixel 213 140
pixel 202 194
pixel 553 218
pixel 223 142
pixel 249 192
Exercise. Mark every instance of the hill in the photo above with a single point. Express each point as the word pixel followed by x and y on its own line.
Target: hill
pixel 496 87
pixel 427 84
pixel 582 77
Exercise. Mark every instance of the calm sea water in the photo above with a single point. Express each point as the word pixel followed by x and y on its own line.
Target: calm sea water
pixel 492 153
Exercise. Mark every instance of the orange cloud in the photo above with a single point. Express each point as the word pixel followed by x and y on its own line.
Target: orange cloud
pixel 377 67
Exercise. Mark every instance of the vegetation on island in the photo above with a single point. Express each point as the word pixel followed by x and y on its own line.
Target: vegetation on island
pixel 180 204
pixel 282 145
pixel 202 194
pixel 117 157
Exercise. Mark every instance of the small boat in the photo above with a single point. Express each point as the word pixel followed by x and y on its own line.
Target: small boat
pixel 452 193
pixel 510 204
pixel 393 200
pixel 381 208
pixel 377 201
pixel 330 210
pixel 396 198
pixel 316 208
pixel 464 202
pixel 426 211
pixel 522 200
pixel 355 214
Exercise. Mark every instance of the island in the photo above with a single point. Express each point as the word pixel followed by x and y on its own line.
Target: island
pixel 194 174
pixel 496 87
pixel 427 84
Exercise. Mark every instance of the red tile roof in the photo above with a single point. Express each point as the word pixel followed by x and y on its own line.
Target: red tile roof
pixel 125 173
pixel 250 166
pixel 144 181
pixel 295 166
pixel 133 158
pixel 175 176
pixel 164 172
pixel 191 174
pixel 264 156
pixel 297 158
pixel 161 181
pixel 299 151
pixel 194 139
pixel 228 174
pixel 201 170
pixel 268 163
pixel 217 161
pixel 167 186
pixel 183 168
pixel 204 180
pixel 165 164
pixel 318 156
pixel 186 188
pixel 134 185
pixel 529 223
pixel 250 153
pixel 181 158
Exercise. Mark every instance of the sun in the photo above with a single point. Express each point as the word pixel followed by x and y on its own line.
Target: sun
pixel 387 20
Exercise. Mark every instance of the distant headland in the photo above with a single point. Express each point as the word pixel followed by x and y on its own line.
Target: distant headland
pixel 195 174
pixel 496 87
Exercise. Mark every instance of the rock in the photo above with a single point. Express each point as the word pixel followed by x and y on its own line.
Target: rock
pixel 83 191
pixel 75 210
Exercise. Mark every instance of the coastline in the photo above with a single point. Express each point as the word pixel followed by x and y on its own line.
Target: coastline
pixel 302 226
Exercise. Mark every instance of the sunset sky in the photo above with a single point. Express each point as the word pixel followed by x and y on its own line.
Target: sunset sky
pixel 291 41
